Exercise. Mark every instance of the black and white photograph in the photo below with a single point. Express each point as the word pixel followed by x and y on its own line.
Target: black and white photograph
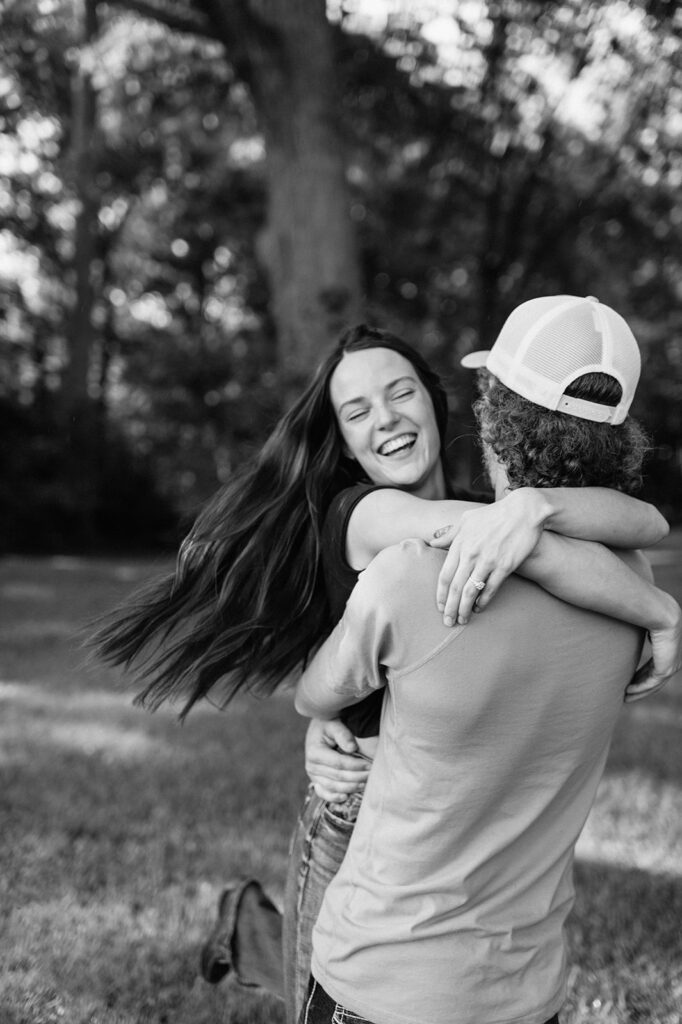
pixel 340 512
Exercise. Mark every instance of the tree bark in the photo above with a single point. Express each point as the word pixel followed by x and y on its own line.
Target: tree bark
pixel 308 246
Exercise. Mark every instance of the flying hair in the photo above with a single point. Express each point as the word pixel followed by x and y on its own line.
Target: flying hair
pixel 246 603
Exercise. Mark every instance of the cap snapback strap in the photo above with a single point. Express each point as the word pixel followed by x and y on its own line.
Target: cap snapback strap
pixel 585 410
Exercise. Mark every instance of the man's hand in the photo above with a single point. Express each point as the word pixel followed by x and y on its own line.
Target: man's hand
pixel 665 660
pixel 486 546
pixel 331 760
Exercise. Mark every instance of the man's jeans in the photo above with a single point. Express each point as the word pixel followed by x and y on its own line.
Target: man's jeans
pixel 320 1008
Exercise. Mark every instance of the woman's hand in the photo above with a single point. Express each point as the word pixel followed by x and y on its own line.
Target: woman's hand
pixel 331 760
pixel 665 660
pixel 487 545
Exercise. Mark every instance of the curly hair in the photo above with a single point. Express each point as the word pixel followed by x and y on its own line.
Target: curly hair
pixel 542 448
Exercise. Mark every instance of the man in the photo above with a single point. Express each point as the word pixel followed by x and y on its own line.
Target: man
pixel 450 904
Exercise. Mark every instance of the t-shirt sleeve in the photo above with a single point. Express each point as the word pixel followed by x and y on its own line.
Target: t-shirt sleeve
pixel 363 717
pixel 349 665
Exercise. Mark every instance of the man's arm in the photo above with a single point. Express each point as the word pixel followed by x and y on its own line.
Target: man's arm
pixel 350 663
pixel 331 759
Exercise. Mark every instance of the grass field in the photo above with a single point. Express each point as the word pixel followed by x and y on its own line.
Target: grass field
pixel 118 828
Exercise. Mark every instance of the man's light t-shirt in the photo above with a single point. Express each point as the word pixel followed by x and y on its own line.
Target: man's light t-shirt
pixel 450 904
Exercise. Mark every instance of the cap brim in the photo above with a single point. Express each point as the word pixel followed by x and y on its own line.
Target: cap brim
pixel 475 360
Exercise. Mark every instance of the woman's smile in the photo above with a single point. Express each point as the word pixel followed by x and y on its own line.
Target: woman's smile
pixel 387 421
pixel 398 445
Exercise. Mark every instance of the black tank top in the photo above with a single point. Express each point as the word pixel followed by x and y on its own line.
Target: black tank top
pixel 363 718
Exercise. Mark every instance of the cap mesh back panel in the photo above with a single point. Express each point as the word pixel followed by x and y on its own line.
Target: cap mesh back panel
pixel 522 320
pixel 628 361
pixel 573 342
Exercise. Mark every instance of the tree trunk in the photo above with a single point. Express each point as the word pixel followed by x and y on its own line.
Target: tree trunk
pixel 74 392
pixel 283 50
pixel 308 246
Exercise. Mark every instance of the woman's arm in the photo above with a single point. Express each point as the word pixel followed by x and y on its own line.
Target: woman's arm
pixel 587 574
pixel 488 542
pixel 590 576
pixel 387 516
pixel 601 514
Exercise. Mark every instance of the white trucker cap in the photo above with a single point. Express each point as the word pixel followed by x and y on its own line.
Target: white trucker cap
pixel 547 343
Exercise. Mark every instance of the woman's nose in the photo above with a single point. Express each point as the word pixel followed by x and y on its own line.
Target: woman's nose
pixel 386 416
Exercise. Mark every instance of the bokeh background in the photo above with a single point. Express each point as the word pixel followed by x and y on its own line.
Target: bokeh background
pixel 195 196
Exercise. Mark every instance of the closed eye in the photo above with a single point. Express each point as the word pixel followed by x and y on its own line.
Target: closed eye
pixel 403 393
pixel 357 415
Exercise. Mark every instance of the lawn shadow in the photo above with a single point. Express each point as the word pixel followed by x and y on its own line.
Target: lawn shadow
pixel 625 945
pixel 649 735
pixel 116 962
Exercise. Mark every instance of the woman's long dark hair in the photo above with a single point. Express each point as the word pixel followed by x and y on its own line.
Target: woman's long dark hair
pixel 246 603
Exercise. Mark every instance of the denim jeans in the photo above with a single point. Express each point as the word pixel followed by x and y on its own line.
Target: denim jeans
pixel 318 847
pixel 271 950
pixel 320 1008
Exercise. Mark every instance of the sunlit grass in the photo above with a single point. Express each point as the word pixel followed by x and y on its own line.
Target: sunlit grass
pixel 118 829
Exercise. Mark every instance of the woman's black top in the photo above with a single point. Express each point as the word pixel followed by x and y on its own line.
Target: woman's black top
pixel 363 718
pixel 339 578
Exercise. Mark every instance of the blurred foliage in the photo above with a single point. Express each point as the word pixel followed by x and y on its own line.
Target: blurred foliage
pixel 505 150
pixel 60 493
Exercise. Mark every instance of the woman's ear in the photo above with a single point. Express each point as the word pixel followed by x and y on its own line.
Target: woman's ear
pixel 345 450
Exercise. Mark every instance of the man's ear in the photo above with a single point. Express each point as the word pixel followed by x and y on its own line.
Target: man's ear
pixel 497 474
pixel 491 464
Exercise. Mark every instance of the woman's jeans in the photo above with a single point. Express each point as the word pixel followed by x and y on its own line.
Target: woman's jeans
pixel 320 1008
pixel 317 849
pixel 271 950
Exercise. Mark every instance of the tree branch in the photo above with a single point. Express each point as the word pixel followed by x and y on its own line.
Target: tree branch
pixel 189 20
pixel 247 37
pixel 230 28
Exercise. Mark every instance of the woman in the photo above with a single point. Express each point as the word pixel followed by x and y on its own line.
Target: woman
pixel 356 465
